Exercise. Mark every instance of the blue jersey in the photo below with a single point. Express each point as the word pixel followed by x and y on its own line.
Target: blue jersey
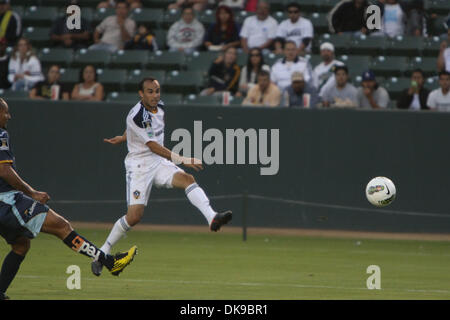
pixel 6 156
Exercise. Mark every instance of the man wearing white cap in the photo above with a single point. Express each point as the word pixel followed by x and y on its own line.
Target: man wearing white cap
pixel 300 93
pixel 324 72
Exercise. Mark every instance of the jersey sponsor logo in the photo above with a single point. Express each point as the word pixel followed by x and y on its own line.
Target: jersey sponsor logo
pixel 4 145
pixel 147 124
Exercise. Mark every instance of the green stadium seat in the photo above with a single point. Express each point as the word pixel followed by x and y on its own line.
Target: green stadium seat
pixel 123 97
pixel 153 17
pixel 392 104
pixel 236 101
pixel 341 42
pixel 166 60
pixel 279 16
pixel 87 3
pixel 185 82
pixel 320 22
pixel 129 59
pixel 163 4
pixel 98 58
pixel 39 36
pixel 87 13
pixel 170 17
pixel 112 79
pixel 314 59
pixel 101 14
pixel 438 6
pixel 404 45
pixel 271 58
pixel 240 16
pixel 201 61
pixel 389 66
pixel 432 83
pixel 172 98
pixel 8 94
pixel 70 76
pixel 326 5
pixel 427 64
pixel 276 5
pixel 207 17
pixel 161 38
pixel 368 45
pixel 39 16
pixel 357 79
pixel 396 85
pixel 135 77
pixel 18 9
pixel 207 100
pixel 59 56
pixel 432 45
pixel 356 64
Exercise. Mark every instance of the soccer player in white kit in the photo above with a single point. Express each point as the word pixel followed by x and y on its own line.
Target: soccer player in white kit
pixel 148 162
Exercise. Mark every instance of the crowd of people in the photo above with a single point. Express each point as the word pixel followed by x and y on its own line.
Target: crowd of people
pixel 291 81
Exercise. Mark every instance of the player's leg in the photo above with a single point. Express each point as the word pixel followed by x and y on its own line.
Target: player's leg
pixel 195 194
pixel 123 225
pixel 58 226
pixel 11 264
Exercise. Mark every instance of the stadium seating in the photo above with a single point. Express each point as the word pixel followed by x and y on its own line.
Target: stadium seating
pixel 39 16
pixel 372 45
pixel 8 94
pixel 122 97
pixel 59 56
pixel 129 59
pixel 98 58
pixel 427 64
pixel 135 76
pixel 404 46
pixel 389 66
pixel 39 36
pixel 173 98
pixel 70 76
pixel 196 99
pixel 112 79
pixel 183 82
pixel 166 60
pixel 151 16
pixel 201 61
pixel 396 85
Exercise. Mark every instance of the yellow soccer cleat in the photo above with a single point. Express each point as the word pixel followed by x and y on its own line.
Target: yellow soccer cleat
pixel 121 260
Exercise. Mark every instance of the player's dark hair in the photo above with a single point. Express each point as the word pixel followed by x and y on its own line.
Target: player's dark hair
pixel 337 68
pixel 249 62
pixel 82 71
pixel 293 5
pixel 141 84
pixel 444 73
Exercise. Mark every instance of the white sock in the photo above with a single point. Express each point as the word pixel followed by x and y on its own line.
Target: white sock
pixel 118 231
pixel 198 198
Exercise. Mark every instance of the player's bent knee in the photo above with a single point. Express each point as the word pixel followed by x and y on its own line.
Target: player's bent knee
pixel 21 247
pixel 134 214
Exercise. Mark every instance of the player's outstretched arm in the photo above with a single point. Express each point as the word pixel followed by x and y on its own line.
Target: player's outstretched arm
pixel 8 174
pixel 117 139
pixel 174 157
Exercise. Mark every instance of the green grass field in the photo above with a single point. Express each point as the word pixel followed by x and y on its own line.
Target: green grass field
pixel 173 265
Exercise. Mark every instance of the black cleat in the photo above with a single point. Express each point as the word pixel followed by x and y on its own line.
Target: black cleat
pixel 96 268
pixel 3 296
pixel 220 219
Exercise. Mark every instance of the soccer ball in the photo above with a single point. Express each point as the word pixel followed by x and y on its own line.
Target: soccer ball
pixel 380 191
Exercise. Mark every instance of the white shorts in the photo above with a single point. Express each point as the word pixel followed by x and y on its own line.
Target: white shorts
pixel 140 180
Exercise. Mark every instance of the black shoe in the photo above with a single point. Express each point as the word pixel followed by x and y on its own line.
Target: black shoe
pixel 3 296
pixel 96 268
pixel 220 219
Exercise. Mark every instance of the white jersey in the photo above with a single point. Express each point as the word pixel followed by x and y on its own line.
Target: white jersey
pixel 437 100
pixel 297 31
pixel 258 32
pixel 282 71
pixel 144 126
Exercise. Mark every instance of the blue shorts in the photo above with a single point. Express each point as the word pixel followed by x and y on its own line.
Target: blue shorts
pixel 20 216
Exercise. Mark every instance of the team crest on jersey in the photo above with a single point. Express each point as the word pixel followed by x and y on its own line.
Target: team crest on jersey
pixel 147 124
pixel 4 144
pixel 136 194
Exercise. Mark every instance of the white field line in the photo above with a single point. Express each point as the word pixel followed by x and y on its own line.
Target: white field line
pixel 246 284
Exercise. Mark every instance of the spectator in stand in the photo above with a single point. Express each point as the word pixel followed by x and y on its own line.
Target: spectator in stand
pixel 24 68
pixel 370 94
pixel 416 19
pixel 10 23
pixel 133 4
pixel 259 31
pixel 224 33
pixel 415 97
pixel 4 63
pixel 255 63
pixel 223 74
pixel 186 35
pixel 88 89
pixel 112 33
pixel 197 5
pixel 264 93
pixel 250 5
pixel 74 39
pixel 342 94
pixel 324 71
pixel 50 88
pixel 348 17
pixel 282 70
pixel 299 93
pixel 439 99
pixel 443 62
pixel 144 39
pixel 295 28
pixel 393 18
